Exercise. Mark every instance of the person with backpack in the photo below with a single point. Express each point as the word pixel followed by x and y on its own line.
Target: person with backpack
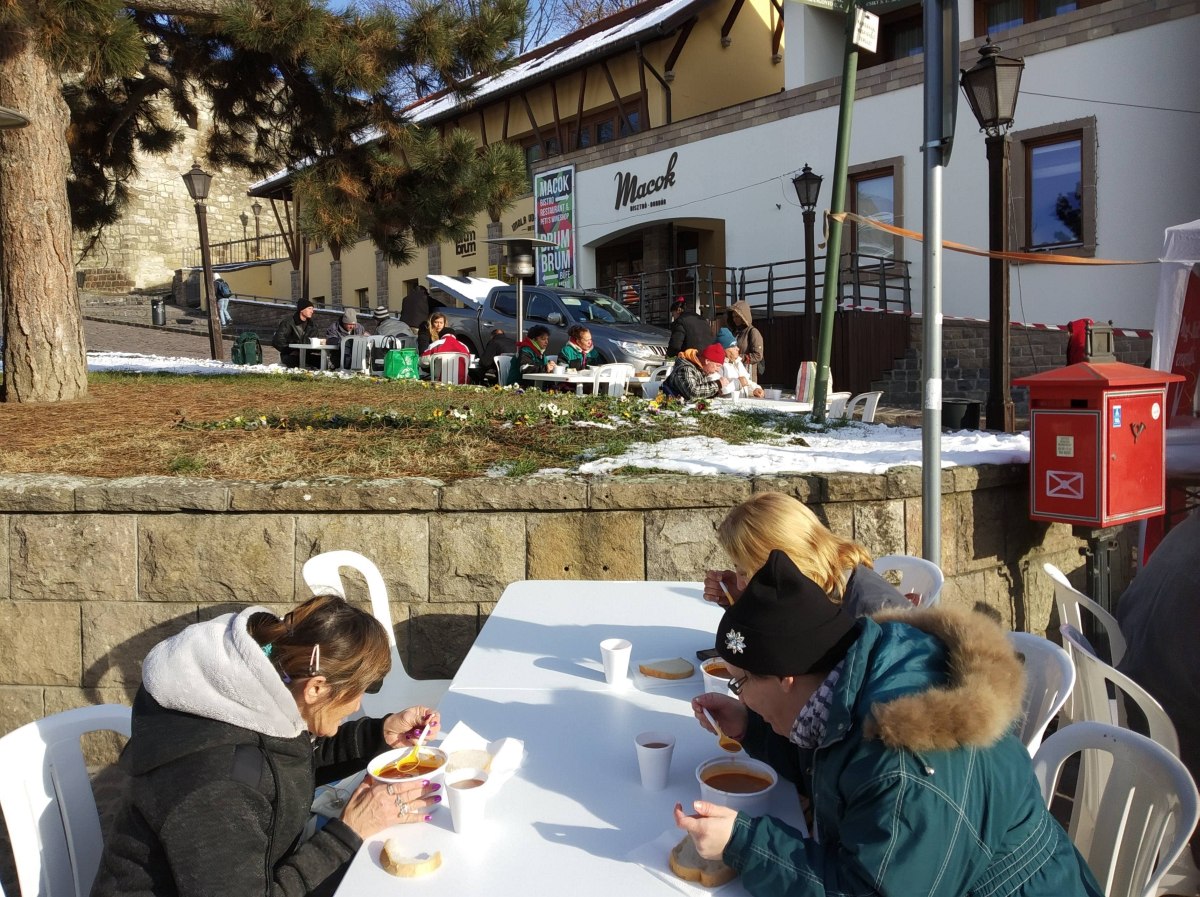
pixel 224 293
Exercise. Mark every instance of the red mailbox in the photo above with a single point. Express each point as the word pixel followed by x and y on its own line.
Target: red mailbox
pixel 1096 443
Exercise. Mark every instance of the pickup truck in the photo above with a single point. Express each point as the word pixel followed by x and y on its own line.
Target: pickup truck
pixel 485 304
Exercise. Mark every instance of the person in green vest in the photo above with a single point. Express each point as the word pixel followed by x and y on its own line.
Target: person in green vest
pixel 579 353
pixel 531 357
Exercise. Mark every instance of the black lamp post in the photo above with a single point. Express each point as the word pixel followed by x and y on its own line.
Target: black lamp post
pixel 256 208
pixel 245 219
pixel 808 188
pixel 198 181
pixel 991 87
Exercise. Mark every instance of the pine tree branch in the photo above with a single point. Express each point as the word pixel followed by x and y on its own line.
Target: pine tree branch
pixel 206 9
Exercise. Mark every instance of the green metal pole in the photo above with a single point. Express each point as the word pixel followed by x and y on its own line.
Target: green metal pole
pixel 837 203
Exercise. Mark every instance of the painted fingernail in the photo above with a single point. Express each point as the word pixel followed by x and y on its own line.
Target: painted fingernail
pixel 425 783
pixel 428 818
pixel 435 787
pixel 437 798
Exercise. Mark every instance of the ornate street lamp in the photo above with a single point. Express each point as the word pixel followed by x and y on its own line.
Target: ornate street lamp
pixel 198 181
pixel 991 87
pixel 808 188
pixel 245 219
pixel 256 208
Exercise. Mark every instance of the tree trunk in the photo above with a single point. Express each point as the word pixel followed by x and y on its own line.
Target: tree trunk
pixel 44 358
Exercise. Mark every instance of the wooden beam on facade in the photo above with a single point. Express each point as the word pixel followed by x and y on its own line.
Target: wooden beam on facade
pixel 504 130
pixel 644 100
pixel 726 40
pixel 666 86
pixel 289 235
pixel 579 111
pixel 684 33
pixel 558 125
pixel 612 85
pixel 777 35
pixel 532 120
pixel 482 127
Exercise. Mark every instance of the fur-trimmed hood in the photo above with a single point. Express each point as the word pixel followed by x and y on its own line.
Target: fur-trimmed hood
pixel 979 703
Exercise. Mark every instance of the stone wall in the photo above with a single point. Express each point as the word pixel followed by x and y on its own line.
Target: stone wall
pixel 94 572
pixel 965 353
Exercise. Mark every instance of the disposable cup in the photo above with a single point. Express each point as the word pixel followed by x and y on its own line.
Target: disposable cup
pixel 615 654
pixel 467 794
pixel 314 342
pixel 714 682
pixel 560 369
pixel 654 758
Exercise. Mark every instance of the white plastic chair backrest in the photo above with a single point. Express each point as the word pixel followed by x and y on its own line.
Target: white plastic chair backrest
pixel 917 576
pixel 806 381
pixel 662 372
pixel 614 375
pixel 1049 678
pixel 1072 604
pixel 360 352
pixel 869 402
pixel 322 574
pixel 504 363
pixel 835 408
pixel 1093 676
pixel 448 367
pixel 1146 808
pixel 47 799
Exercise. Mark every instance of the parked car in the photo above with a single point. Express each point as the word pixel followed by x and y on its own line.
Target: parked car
pixel 485 304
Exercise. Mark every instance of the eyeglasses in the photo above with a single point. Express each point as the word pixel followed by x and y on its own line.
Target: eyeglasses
pixel 736 685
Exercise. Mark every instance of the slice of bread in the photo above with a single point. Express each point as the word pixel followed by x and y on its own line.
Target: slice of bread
pixel 396 863
pixel 675 668
pixel 690 866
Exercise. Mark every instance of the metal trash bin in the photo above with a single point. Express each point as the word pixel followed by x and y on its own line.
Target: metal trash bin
pixel 158 312
pixel 960 414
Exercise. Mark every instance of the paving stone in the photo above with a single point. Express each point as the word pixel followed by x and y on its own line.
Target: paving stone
pixel 681 545
pixel 117 636
pixel 67 557
pixel 39 643
pixel 473 557
pixel 582 545
pixel 398 544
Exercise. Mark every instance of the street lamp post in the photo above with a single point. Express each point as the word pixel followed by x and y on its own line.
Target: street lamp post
pixel 198 181
pixel 991 87
pixel 245 219
pixel 808 188
pixel 256 208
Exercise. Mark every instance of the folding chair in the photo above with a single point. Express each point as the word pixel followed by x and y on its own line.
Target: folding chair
pixel 322 575
pixel 47 799
pixel 918 577
pixel 1143 813
pixel 1049 678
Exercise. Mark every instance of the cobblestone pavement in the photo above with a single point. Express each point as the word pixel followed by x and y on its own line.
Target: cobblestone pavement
pixel 109 336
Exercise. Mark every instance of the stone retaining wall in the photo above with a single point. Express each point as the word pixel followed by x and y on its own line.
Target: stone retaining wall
pixel 94 572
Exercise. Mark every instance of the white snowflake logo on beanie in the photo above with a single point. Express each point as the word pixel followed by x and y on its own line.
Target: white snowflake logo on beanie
pixel 735 642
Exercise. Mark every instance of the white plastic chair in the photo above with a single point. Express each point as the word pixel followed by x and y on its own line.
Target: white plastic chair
pixel 359 353
pixel 1049 678
pixel 504 363
pixel 322 574
pixel 448 367
pixel 1071 605
pixel 614 375
pixel 917 577
pixel 47 800
pixel 869 402
pixel 835 407
pixel 1146 808
pixel 661 373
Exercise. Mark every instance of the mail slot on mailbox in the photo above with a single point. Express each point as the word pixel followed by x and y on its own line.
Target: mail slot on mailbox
pixel 1096 443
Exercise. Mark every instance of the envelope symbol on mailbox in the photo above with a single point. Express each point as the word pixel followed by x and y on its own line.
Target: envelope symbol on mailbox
pixel 1064 484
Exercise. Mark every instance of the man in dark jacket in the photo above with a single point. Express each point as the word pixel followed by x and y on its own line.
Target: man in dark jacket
pixel 500 344
pixel 688 329
pixel 416 307
pixel 900 728
pixel 696 375
pixel 298 327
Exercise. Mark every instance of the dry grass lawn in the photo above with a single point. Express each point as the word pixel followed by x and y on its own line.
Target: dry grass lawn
pixel 164 425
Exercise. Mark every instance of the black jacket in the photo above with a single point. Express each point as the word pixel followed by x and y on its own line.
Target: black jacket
pixel 214 809
pixel 690 331
pixel 292 330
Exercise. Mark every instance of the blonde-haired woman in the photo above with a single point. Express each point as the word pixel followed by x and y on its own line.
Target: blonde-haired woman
pixel 772 520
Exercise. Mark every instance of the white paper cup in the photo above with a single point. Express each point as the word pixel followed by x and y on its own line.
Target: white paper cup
pixel 560 369
pixel 314 342
pixel 467 794
pixel 715 684
pixel 615 654
pixel 654 758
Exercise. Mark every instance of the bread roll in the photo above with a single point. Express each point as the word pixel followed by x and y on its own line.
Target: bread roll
pixel 396 863
pixel 690 866
pixel 675 668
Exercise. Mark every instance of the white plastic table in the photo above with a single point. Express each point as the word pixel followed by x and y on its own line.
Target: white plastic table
pixel 569 820
pixel 305 348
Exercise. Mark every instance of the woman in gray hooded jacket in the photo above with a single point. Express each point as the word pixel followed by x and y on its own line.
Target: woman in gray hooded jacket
pixel 237 721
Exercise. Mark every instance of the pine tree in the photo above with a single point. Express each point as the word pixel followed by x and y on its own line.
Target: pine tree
pixel 290 84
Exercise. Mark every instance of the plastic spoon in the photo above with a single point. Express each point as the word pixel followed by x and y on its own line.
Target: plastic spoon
pixel 727 744
pixel 413 757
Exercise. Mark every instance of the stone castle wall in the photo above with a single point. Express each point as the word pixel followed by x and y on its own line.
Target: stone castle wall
pixel 94 572
pixel 143 249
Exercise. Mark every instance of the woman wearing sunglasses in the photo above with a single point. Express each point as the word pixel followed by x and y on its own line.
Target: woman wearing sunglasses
pixel 238 719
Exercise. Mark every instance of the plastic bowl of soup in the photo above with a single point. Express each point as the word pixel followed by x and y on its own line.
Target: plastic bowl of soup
pixel 431 763
pixel 740 784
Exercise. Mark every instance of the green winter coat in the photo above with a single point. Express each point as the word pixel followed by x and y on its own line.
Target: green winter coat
pixel 572 356
pixel 919 786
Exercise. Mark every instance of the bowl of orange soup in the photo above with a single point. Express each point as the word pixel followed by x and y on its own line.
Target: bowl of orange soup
pixel 431 763
pixel 740 784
